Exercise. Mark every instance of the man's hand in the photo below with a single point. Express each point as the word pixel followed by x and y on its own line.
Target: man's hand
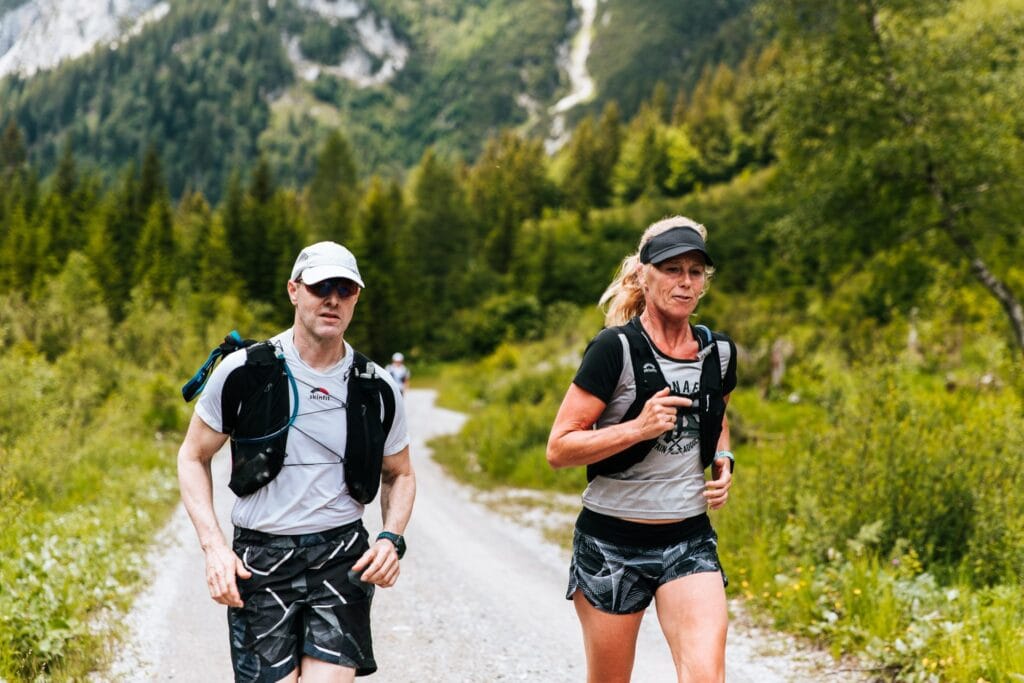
pixel 222 564
pixel 380 563
pixel 717 490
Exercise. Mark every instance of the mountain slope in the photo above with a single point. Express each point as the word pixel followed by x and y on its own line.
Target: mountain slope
pixel 214 86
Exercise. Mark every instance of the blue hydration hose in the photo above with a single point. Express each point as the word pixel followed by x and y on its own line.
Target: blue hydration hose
pixel 232 343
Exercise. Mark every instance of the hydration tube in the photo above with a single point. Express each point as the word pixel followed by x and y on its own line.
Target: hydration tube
pixel 231 342
pixel 291 420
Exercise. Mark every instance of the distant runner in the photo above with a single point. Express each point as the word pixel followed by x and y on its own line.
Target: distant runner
pixel 399 371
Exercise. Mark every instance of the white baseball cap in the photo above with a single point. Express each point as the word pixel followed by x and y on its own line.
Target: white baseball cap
pixel 323 261
pixel 397 357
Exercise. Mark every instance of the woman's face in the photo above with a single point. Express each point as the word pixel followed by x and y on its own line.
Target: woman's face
pixel 673 287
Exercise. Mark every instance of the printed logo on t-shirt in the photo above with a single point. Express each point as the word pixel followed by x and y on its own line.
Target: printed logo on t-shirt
pixel 686 434
pixel 319 394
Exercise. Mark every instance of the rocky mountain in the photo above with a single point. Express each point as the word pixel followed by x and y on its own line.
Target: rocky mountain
pixel 41 34
pixel 213 86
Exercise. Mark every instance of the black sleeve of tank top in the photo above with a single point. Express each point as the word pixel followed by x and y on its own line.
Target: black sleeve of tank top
pixel 601 367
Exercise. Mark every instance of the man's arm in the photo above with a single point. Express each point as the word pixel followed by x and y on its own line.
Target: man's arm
pixel 397 494
pixel 196 482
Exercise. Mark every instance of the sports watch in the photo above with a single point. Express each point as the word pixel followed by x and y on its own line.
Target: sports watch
pixel 398 540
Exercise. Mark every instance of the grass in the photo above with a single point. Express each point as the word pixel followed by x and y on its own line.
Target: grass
pixel 69 563
pixel 87 473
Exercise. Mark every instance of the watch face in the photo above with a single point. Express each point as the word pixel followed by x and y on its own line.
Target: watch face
pixel 398 541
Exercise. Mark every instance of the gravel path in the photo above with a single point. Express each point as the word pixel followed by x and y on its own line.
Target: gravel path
pixel 480 599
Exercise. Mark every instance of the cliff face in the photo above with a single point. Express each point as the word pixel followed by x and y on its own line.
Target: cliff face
pixel 41 33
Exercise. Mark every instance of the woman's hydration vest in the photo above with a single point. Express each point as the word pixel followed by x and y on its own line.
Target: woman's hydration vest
pixel 708 402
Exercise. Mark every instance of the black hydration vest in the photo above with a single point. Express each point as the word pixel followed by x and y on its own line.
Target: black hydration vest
pixel 257 414
pixel 708 402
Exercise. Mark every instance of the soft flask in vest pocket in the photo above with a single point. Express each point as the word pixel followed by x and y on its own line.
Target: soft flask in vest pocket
pixel 364 444
pixel 259 434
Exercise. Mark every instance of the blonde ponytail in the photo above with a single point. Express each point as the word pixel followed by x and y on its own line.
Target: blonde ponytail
pixel 624 297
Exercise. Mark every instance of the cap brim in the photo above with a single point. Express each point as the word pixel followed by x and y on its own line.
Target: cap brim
pixel 677 250
pixel 316 274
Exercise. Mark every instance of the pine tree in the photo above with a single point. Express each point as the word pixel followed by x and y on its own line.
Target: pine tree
pixel 609 146
pixel 191 222
pixel 643 168
pixel 114 246
pixel 215 274
pixel 440 243
pixel 151 181
pixel 582 184
pixel 381 321
pixel 61 210
pixel 155 261
pixel 13 154
pixel 18 251
pixel 251 243
pixel 507 185
pixel 332 193
pixel 231 215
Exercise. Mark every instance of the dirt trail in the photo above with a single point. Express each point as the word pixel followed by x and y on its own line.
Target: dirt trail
pixel 480 599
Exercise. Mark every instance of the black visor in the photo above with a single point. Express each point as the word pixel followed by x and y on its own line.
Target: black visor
pixel 673 242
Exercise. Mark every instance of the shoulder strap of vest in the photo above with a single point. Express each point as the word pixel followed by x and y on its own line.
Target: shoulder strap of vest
pixel 268 372
pixel 646 371
pixel 649 380
pixel 262 353
pixel 711 403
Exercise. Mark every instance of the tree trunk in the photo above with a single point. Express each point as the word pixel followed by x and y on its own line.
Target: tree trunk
pixel 999 289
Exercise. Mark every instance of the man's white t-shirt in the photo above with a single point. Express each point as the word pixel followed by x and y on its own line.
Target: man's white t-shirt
pixel 309 495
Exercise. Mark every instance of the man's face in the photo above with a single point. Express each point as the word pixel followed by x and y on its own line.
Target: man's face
pixel 322 310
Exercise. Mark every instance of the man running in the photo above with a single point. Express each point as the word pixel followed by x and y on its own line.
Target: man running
pixel 299 578
pixel 399 371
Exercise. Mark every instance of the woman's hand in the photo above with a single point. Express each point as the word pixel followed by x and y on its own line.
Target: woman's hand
pixel 717 490
pixel 660 414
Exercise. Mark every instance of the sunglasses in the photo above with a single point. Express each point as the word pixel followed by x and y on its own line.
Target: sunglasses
pixel 323 289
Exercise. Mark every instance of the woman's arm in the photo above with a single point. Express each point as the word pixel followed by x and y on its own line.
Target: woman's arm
pixel 717 490
pixel 573 442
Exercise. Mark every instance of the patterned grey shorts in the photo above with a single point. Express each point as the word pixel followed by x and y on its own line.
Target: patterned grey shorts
pixel 622 580
pixel 301 600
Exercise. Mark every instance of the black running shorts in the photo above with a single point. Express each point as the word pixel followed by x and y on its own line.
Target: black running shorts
pixel 300 601
pixel 622 577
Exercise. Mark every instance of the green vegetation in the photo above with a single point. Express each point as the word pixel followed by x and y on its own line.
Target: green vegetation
pixel 635 40
pixel 90 422
pixel 861 206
